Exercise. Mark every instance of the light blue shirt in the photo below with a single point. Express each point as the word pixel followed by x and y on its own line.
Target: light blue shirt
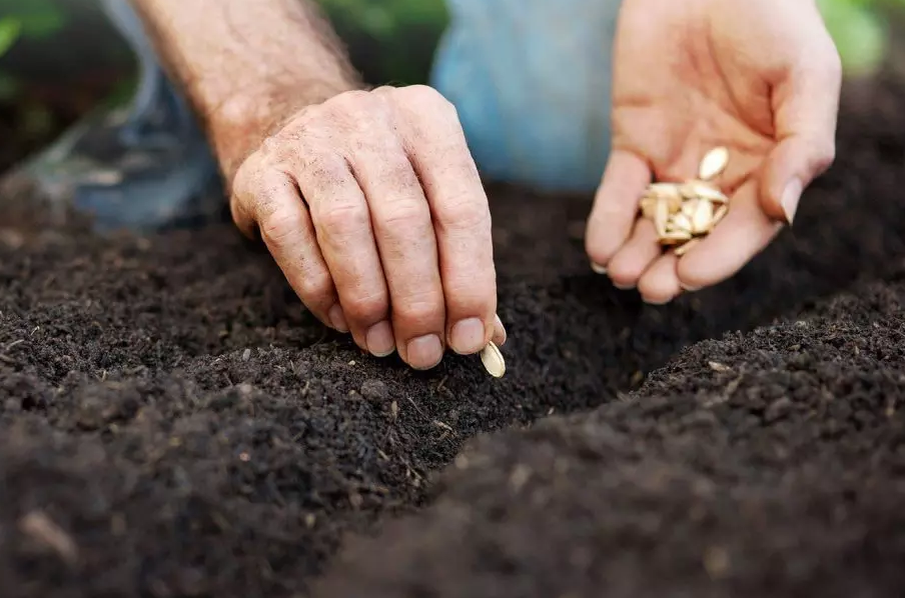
pixel 531 81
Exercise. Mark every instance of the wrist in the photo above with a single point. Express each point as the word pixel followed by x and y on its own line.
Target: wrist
pixel 237 126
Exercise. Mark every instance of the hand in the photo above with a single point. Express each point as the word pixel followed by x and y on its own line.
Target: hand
pixel 372 206
pixel 763 79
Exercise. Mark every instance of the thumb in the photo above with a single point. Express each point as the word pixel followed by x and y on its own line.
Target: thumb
pixel 792 165
pixel 806 106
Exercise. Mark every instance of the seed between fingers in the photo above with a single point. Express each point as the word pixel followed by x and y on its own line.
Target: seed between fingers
pixel 493 360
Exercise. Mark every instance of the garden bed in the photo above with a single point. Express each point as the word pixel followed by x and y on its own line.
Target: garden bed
pixel 173 423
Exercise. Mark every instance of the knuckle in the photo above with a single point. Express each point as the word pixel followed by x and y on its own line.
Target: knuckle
pixel 341 217
pixel 366 307
pixel 405 215
pixel 278 225
pixel 420 311
pixel 355 105
pixel 315 287
pixel 464 214
pixel 424 94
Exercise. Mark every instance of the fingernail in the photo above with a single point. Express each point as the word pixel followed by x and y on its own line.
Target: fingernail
pixel 500 329
pixel 468 336
pixel 623 287
pixel 424 352
pixel 338 318
pixel 380 339
pixel 690 289
pixel 789 199
pixel 598 268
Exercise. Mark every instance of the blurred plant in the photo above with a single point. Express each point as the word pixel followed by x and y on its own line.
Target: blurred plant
pixel 390 41
pixel 38 18
pixel 30 19
pixel 862 31
pixel 9 32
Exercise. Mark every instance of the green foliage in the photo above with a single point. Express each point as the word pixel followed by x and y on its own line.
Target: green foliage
pixel 389 40
pixel 859 30
pixel 38 19
pixel 9 33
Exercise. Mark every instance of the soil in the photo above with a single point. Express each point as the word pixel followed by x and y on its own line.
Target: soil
pixel 173 423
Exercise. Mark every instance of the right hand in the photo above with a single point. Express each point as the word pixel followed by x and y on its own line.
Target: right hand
pixel 372 207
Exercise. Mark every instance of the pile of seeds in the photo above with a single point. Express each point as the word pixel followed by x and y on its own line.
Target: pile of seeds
pixel 683 213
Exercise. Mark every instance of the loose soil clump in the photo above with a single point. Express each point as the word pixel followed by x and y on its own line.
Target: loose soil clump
pixel 174 423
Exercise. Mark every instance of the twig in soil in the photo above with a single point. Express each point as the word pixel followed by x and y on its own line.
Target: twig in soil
pixel 446 428
pixel 8 360
pixel 13 344
pixel 40 527
pixel 417 408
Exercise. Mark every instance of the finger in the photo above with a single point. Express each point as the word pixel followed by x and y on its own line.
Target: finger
pixel 439 153
pixel 499 332
pixel 806 105
pixel 342 221
pixel 660 284
pixel 615 206
pixel 635 256
pixel 408 249
pixel 743 233
pixel 286 230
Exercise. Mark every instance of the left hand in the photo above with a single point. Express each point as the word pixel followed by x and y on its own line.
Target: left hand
pixel 762 78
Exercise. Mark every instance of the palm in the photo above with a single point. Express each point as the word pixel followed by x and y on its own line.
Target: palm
pixel 693 75
pixel 697 98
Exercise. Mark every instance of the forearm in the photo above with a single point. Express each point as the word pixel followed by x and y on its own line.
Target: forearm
pixel 247 65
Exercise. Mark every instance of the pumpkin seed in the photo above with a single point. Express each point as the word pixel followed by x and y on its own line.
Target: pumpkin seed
pixel 683 249
pixel 702 221
pixel 719 214
pixel 703 191
pixel 493 360
pixel 660 217
pixel 713 164
pixel 683 223
pixel 673 237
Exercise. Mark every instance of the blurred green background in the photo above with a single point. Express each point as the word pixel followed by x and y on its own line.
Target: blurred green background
pixel 59 58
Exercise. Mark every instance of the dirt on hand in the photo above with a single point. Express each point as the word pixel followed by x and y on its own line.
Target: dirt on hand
pixel 174 423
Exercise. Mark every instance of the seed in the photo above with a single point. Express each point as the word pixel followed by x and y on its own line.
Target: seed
pixel 664 190
pixel 493 360
pixel 719 214
pixel 683 249
pixel 713 163
pixel 649 206
pixel 703 191
pixel 690 207
pixel 668 192
pixel 702 221
pixel 674 237
pixel 683 223
pixel 660 217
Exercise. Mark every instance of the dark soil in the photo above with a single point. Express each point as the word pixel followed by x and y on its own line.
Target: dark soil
pixel 173 423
